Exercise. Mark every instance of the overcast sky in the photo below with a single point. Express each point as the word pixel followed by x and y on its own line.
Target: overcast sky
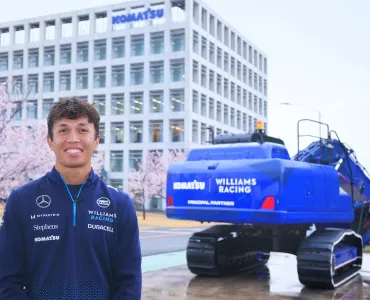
pixel 318 55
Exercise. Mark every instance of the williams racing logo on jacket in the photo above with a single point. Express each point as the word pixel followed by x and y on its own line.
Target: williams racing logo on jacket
pixel 99 220
pixel 102 216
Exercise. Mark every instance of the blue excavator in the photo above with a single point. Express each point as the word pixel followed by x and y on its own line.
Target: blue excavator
pixel 262 200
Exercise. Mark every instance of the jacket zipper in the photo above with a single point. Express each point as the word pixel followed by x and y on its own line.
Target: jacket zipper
pixel 74 201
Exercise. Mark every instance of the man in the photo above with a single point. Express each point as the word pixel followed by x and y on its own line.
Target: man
pixel 68 235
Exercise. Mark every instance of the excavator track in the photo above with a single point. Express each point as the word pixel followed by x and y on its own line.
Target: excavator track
pixel 330 257
pixel 224 249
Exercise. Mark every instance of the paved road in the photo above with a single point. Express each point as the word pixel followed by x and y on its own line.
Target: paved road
pixel 164 240
pixel 276 281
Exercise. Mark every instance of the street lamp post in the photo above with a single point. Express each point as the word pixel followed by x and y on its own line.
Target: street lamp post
pixel 308 107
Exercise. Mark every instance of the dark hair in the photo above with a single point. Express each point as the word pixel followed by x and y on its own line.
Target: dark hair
pixel 73 108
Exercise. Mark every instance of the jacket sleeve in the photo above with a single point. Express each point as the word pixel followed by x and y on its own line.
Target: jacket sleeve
pixel 128 275
pixel 12 252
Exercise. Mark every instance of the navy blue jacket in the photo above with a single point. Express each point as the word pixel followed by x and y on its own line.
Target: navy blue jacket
pixel 53 246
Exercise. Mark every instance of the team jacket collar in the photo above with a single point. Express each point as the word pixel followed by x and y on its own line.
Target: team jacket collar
pixel 54 175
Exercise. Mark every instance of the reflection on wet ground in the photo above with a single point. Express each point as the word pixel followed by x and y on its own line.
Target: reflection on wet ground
pixel 278 280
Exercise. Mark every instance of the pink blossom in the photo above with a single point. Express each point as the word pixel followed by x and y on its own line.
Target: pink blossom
pixel 150 178
pixel 24 153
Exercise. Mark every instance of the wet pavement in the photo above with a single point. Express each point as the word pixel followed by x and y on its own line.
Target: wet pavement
pixel 277 280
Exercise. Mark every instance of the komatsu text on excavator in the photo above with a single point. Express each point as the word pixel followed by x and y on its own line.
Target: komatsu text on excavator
pixel 269 201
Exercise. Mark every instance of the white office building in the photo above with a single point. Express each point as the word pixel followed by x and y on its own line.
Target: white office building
pixel 160 72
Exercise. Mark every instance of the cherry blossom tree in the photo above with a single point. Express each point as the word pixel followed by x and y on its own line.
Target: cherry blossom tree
pixel 24 153
pixel 174 156
pixel 150 177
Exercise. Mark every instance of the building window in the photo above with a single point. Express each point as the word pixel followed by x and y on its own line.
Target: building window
pixel 116 161
pixel 118 75
pixel 18 84
pixel 211 108
pixel 232 117
pixel 49 56
pixel 195 99
pixel 17 112
pixel 118 47
pixel 155 131
pixel 83 25
pixel 65 81
pixel 203 74
pixel 99 77
pixel 219 57
pixel 265 109
pixel 102 133
pixel 203 133
pixel 19 34
pixel 177 100
pixel 137 45
pixel 32 109
pixel 137 74
pixel 33 83
pixel 177 70
pixel 211 80
pixel 101 22
pixel 135 158
pixel 18 60
pixel 4 37
pixel 178 40
pixel 136 132
pixel 195 127
pixel 34 30
pixel 157 72
pixel 100 49
pixel 83 52
pixel 176 130
pixel 116 183
pixel 226 114
pixel 117 132
pixel 239 119
pixel 157 42
pixel 212 52
pixel 46 107
pixel 49 82
pixel 156 101
pixel 67 29
pixel 33 58
pixel 4 59
pixel 204 48
pixel 99 101
pixel 82 79
pixel 118 104
pixel 137 103
pixel 195 42
pixel 49 30
pixel 203 105
pixel 65 54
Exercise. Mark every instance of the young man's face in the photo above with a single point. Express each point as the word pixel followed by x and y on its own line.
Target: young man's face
pixel 73 142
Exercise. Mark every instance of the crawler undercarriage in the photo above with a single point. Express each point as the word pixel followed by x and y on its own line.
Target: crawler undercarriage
pixel 326 258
